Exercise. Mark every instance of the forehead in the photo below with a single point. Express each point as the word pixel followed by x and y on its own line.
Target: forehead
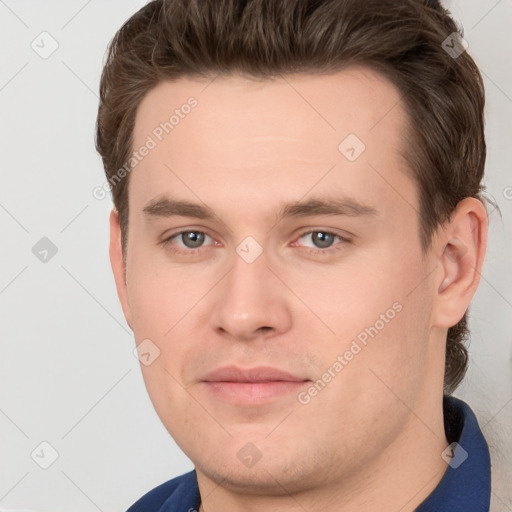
pixel 270 137
pixel 354 100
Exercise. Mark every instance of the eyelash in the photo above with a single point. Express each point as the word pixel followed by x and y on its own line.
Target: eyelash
pixel 167 243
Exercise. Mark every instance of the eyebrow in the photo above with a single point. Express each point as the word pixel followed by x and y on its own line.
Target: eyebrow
pixel 327 206
pixel 169 207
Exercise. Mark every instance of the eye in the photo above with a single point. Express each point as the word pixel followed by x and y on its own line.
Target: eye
pixel 322 241
pixel 192 239
pixel 185 241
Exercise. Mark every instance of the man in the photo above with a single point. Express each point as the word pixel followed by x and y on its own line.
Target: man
pixel 297 235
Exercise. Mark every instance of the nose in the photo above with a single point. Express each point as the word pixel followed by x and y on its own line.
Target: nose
pixel 251 302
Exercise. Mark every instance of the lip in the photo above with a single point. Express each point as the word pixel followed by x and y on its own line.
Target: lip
pixel 251 375
pixel 252 386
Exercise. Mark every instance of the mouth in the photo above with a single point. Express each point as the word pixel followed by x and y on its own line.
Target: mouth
pixel 252 386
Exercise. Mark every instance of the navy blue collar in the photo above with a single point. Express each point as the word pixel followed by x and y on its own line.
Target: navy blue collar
pixel 465 486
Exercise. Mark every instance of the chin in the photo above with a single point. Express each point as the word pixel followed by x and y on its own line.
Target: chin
pixel 275 475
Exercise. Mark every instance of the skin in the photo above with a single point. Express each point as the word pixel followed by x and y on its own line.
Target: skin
pixel 372 438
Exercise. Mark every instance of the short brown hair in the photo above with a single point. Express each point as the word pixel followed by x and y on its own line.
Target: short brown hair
pixel 404 40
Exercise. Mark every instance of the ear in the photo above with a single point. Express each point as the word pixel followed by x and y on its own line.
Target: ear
pixel 118 264
pixel 461 246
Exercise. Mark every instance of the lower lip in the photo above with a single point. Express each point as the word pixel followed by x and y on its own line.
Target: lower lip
pixel 253 392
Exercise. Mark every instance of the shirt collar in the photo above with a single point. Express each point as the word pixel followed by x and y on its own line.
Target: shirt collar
pixel 466 484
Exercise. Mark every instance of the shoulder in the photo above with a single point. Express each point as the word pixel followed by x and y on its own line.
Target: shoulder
pixel 180 493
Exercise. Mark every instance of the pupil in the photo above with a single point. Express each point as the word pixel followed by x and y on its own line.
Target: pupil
pixel 192 239
pixel 322 239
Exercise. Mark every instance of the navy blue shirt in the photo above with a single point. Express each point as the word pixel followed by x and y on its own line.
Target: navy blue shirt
pixel 465 486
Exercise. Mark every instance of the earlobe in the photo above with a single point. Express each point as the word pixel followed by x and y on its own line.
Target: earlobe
pixel 118 264
pixel 462 244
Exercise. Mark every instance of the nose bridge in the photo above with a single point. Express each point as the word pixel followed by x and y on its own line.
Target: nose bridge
pixel 251 298
pixel 249 279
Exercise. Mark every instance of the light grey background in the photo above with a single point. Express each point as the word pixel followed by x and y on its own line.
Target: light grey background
pixel 68 375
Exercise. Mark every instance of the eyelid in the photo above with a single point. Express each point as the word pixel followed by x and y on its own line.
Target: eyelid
pixel 326 231
pixel 172 232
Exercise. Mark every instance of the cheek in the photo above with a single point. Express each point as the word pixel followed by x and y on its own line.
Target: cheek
pixel 352 295
pixel 156 307
pixel 182 416
pixel 397 334
pixel 158 296
pixel 379 311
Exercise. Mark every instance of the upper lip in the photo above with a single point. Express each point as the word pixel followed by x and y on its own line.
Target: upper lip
pixel 255 374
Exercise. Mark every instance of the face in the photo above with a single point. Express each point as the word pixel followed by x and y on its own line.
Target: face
pixel 275 275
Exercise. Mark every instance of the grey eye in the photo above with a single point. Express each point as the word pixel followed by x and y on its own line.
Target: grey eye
pixel 322 240
pixel 192 239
